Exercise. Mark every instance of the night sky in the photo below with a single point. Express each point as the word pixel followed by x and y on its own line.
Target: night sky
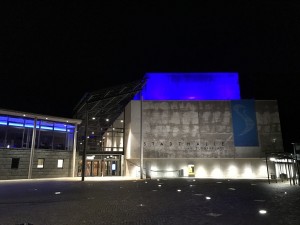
pixel 52 52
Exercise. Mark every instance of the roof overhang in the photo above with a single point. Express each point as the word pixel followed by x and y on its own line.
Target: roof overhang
pixel 39 116
pixel 108 103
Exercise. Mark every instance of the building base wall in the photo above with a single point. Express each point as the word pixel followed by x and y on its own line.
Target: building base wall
pixel 254 168
pixel 49 170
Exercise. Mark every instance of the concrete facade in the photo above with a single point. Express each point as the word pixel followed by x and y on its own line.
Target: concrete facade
pixel 198 133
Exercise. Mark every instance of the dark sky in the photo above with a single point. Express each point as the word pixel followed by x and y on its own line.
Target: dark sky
pixel 52 52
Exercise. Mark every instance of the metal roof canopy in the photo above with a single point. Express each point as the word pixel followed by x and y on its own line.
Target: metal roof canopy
pixel 104 104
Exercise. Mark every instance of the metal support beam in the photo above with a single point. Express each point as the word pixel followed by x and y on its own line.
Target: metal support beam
pixel 74 152
pixel 85 142
pixel 32 149
pixel 141 137
pixel 267 168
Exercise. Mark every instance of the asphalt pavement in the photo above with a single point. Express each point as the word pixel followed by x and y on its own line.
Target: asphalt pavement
pixel 180 201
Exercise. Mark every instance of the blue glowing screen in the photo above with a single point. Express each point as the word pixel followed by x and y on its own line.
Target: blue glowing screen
pixel 191 86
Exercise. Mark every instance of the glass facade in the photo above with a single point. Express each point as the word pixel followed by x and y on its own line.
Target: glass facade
pixel 113 140
pixel 16 133
pixel 110 141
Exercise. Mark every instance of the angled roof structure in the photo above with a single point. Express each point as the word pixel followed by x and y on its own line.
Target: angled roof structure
pixel 103 104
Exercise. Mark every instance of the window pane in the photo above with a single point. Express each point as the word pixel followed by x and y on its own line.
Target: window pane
pixel 46 125
pixel 70 128
pixel 29 123
pixel 40 163
pixel 27 138
pixel 14 137
pixel 59 140
pixel 70 141
pixel 46 138
pixel 60 163
pixel 15 163
pixel 3 120
pixel 2 136
pixel 118 139
pixel 60 126
pixel 14 121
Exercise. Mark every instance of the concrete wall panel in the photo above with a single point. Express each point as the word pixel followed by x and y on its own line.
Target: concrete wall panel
pixel 268 126
pixel 50 169
pixel 176 133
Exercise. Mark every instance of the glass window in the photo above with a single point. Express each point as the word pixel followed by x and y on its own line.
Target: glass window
pixel 29 123
pixel 60 163
pixel 70 128
pixel 27 138
pixel 60 126
pixel 15 163
pixel 46 125
pixel 16 132
pixel 14 137
pixel 3 120
pixel 108 139
pixel 59 140
pixel 14 121
pixel 119 122
pixel 3 136
pixel 118 139
pixel 70 140
pixel 40 163
pixel 45 139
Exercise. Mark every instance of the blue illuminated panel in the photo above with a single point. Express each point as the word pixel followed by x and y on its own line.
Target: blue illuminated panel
pixel 191 86
pixel 45 125
pixel 60 126
pixel 244 123
pixel 17 122
pixel 3 120
pixel 70 128
pixel 40 124
pixel 29 123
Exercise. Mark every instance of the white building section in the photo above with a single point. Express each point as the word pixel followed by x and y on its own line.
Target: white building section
pixel 196 139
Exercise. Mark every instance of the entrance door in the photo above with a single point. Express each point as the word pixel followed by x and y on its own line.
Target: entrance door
pixel 112 167
pixel 95 165
pixel 88 168
pixel 105 166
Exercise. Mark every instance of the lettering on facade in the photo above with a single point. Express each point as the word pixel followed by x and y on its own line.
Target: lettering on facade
pixel 205 146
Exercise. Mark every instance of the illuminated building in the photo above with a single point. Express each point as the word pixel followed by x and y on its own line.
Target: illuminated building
pixel 37 146
pixel 168 124
pixel 193 124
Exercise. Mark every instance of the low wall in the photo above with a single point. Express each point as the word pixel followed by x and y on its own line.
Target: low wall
pixel 49 170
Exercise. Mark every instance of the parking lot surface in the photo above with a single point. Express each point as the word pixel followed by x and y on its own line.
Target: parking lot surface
pixel 181 201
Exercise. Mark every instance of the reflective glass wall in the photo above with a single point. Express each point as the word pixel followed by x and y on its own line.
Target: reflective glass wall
pixel 110 141
pixel 16 133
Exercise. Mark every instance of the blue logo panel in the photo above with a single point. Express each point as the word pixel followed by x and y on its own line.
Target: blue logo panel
pixel 244 123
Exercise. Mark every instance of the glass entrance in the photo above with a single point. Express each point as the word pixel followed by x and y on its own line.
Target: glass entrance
pixel 102 165
pixel 91 168
pixel 112 167
pixel 95 167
